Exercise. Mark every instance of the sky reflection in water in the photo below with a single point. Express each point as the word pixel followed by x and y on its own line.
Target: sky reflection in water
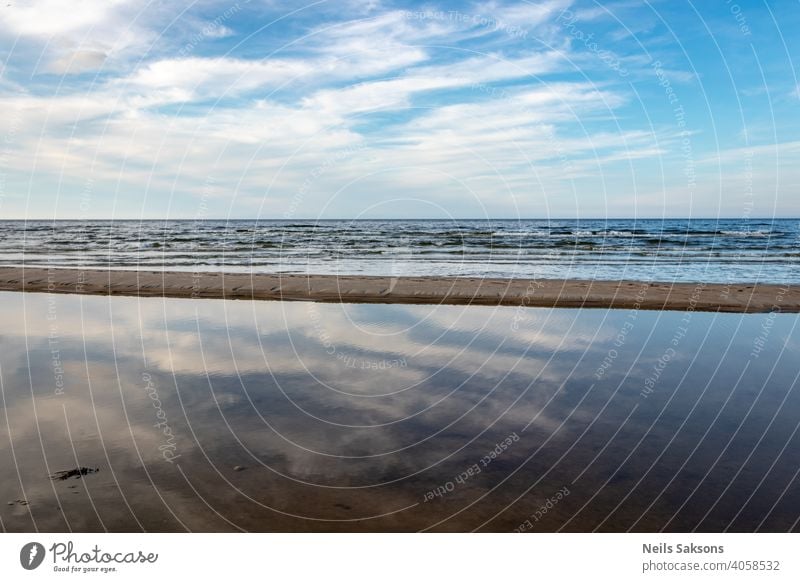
pixel 213 415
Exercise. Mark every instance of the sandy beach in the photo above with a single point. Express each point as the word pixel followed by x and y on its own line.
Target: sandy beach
pixel 737 298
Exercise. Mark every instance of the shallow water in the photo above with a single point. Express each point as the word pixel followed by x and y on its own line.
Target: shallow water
pixel 237 415
pixel 710 250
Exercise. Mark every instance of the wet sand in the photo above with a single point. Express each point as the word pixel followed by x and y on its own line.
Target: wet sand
pixel 737 298
pixel 127 415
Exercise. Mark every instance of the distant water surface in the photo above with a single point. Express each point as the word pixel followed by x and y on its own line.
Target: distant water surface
pixel 223 416
pixel 667 250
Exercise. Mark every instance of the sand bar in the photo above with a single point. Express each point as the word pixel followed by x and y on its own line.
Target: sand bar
pixel 739 298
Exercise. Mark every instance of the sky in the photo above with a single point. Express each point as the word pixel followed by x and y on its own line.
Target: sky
pixel 130 109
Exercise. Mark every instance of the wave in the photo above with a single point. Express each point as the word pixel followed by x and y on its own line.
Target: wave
pixel 746 233
pixel 425 247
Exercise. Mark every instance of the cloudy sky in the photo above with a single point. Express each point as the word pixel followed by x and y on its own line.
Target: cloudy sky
pixel 266 109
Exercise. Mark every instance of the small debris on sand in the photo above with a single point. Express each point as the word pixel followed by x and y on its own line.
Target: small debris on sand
pixel 77 473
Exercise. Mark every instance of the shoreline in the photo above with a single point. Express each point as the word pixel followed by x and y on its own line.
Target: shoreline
pixel 566 293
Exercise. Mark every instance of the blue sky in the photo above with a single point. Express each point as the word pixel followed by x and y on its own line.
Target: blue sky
pixel 260 109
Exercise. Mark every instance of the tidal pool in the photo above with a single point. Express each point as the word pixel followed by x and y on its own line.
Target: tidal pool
pixel 125 414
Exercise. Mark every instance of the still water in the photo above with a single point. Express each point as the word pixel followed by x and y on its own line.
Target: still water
pixel 127 414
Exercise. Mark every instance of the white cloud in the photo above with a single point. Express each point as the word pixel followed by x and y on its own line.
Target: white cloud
pixel 203 77
pixel 525 14
pixel 78 61
pixel 53 18
pixel 486 120
pixel 217 31
pixel 73 39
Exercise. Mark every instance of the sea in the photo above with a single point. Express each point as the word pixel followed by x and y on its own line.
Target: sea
pixel 130 414
pixel 690 250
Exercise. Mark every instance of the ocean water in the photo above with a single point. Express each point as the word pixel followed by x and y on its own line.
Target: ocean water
pixel 666 250
pixel 212 415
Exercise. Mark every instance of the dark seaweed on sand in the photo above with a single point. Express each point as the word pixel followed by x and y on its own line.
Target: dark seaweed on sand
pixel 77 473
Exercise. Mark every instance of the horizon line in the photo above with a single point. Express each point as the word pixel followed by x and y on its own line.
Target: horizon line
pixel 397 219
